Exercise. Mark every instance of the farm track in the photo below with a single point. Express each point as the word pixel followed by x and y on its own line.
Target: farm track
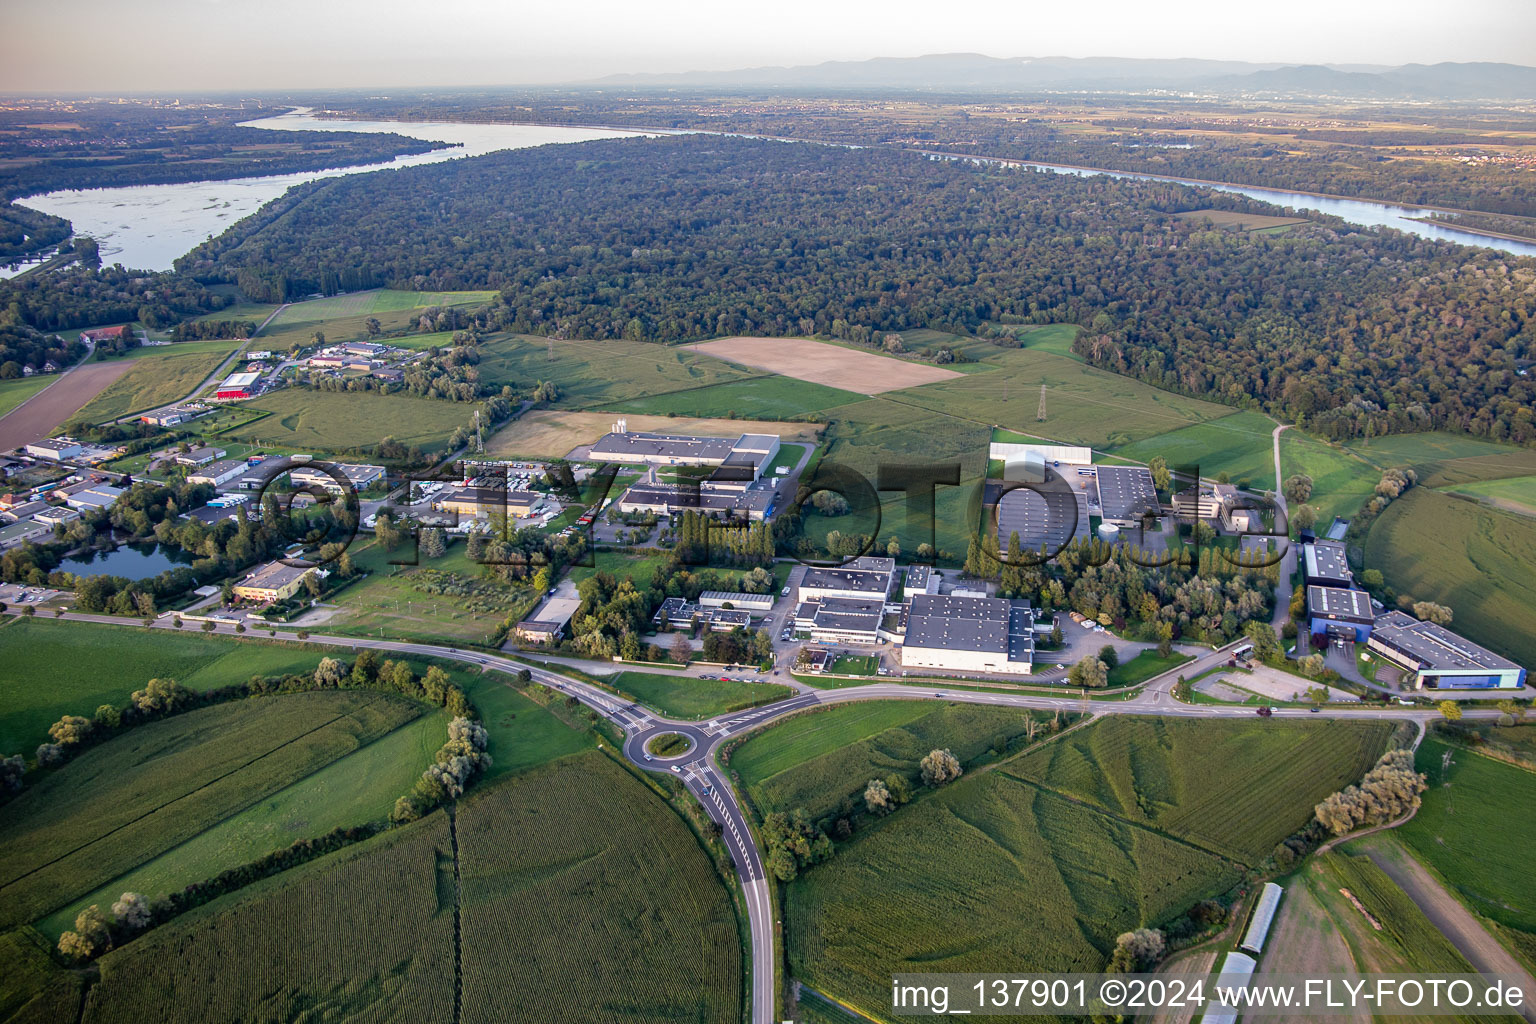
pixel 187 795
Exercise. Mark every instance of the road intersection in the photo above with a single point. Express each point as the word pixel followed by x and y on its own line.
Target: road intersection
pixel 699 772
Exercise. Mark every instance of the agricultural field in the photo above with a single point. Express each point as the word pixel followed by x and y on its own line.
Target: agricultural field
pixel 394 969
pixel 1405 942
pixel 522 734
pixel 1233 220
pixel 1445 460
pixel 56 668
pixel 157 376
pixel 580 856
pixel 1062 880
pixel 835 366
pixel 33 989
pixel 358 788
pixel 14 392
pixel 765 397
pixel 1473 559
pixel 552 434
pixel 678 696
pixel 815 760
pixel 438 599
pixel 595 374
pixel 1238 445
pixel 344 317
pixel 1463 831
pixel 350 421
pixel 118 805
pixel 1513 494
pixel 1185 778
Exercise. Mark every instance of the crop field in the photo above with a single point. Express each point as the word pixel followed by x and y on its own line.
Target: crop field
pixel 14 392
pixel 352 790
pixel 594 374
pixel 1463 831
pixel 1475 560
pixel 317 928
pixel 1512 494
pixel 342 421
pixel 690 697
pixel 33 989
pixel 1185 778
pixel 126 801
pixel 344 317
pixel 1444 459
pixel 765 397
pixel 1061 880
pixel 1406 942
pixel 834 366
pixel 585 895
pixel 815 760
pixel 157 376
pixel 58 403
pixel 1238 445
pixel 552 434
pixel 56 668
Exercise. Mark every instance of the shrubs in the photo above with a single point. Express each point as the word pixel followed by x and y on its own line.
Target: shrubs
pixel 1137 950
pixel 793 842
pixel 939 767
pixel 456 764
pixel 11 770
pixel 95 932
pixel 1389 790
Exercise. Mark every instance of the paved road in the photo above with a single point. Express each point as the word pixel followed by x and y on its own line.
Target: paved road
pixel 697 767
pixel 1288 562
pixel 219 373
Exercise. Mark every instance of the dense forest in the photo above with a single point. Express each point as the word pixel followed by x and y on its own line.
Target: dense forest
pixel 22 346
pixel 82 296
pixel 1344 330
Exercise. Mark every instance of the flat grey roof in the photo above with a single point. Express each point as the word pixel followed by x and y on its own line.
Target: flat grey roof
pixel 1040 521
pixel 753 499
pixel 1435 646
pixel 1336 602
pixel 849 613
pixel 951 623
pixel 1326 561
pixel 866 580
pixel 917 575
pixel 664 446
pixel 1126 491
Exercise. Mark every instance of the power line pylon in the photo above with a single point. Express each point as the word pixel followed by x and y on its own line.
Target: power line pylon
pixel 1040 416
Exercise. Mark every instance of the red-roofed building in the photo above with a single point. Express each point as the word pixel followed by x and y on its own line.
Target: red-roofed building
pixel 106 333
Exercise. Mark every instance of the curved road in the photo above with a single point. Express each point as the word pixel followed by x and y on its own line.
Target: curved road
pixel 699 772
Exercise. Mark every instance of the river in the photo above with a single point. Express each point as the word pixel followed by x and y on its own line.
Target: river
pixel 149 226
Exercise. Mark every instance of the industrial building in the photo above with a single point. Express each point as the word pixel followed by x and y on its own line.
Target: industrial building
pixel 736 489
pixel 1440 659
pixel 919 579
pixel 474 501
pixel 361 477
pixel 1325 564
pixel 757 604
pixel 275 581
pixel 93 497
pixel 679 615
pixel 1044 521
pixel 238 386
pixel 1339 612
pixel 219 473
pixel 968 634
pixel 865 578
pixel 550 621
pixel 623 445
pixel 200 456
pixel 55 449
pixel 841 620
pixel 1125 494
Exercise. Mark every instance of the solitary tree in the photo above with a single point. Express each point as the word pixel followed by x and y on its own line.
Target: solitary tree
pixel 1450 711
pixel 939 767
pixel 877 797
pixel 1089 673
pixel 682 649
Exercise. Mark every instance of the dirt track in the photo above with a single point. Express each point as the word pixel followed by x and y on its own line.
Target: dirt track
pixel 37 417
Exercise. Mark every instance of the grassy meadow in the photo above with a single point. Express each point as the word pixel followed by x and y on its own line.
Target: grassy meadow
pixel 349 421
pixel 158 376
pixel 1239 445
pixel 14 392
pixel 1512 494
pixel 765 397
pixel 597 374
pixel 678 696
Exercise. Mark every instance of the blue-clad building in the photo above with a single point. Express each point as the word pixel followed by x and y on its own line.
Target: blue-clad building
pixel 1440 659
pixel 1339 612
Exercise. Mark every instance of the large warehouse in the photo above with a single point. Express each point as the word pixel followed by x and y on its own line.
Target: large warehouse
pixel 968 634
pixel 1336 611
pixel 866 578
pixel 1440 659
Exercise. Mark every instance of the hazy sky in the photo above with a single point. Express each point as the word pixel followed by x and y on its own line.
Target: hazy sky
pixel 112 45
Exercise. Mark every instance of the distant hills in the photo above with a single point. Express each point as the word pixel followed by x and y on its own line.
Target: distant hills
pixel 974 72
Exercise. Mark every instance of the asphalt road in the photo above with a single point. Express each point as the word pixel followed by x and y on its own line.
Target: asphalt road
pixel 699 773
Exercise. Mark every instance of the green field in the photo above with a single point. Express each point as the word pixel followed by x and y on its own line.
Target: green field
pixel 1474 559
pixel 1238 445
pixel 33 989
pixel 580 856
pixel 767 398
pixel 1444 459
pixel 56 668
pixel 118 805
pixel 1342 481
pixel 319 929
pixel 158 376
pixel 1513 494
pixel 14 392
pixel 1185 777
pixel 690 697
pixel 342 421
pixel 1144 666
pixel 1407 942
pixel 344 317
pixel 1061 843
pixel 815 760
pixel 1463 830
pixel 599 374
pixel 400 599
